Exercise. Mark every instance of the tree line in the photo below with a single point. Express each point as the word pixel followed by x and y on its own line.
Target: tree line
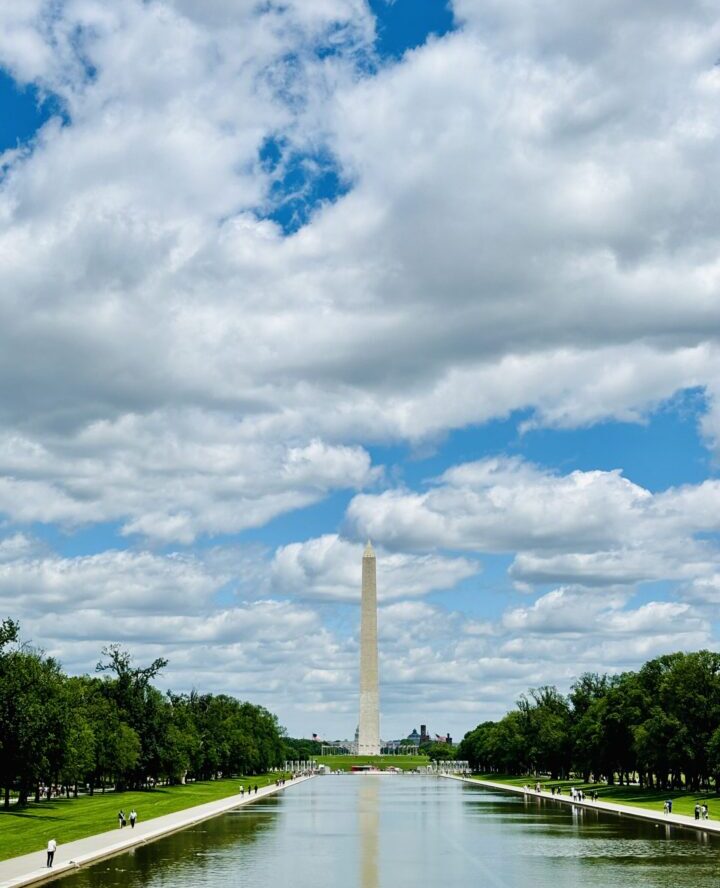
pixel 659 726
pixel 115 729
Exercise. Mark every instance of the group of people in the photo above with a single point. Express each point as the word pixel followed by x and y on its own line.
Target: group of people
pixel 250 791
pixel 701 812
pixel 123 822
pixel 577 795
pixel 526 788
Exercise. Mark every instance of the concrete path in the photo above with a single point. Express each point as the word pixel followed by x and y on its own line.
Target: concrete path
pixel 706 826
pixel 30 869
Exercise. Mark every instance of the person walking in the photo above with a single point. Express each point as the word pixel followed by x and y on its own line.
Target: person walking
pixel 51 849
pixel 133 818
pixel 705 812
pixel 697 812
pixel 121 818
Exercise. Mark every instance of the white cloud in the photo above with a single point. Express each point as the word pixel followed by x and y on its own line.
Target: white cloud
pixel 531 223
pixel 329 568
pixel 576 612
pixel 16 546
pixel 596 528
pixel 139 216
pixel 171 477
pixel 112 583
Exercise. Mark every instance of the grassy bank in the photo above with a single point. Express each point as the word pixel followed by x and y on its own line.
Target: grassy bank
pixel 652 799
pixel 23 830
pixel 345 762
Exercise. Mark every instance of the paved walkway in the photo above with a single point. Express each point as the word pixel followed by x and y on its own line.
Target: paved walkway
pixel 706 826
pixel 30 869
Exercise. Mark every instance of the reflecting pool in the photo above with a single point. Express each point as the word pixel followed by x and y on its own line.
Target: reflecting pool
pixel 406 831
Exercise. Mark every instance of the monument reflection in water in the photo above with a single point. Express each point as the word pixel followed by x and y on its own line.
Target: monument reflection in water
pixel 369 830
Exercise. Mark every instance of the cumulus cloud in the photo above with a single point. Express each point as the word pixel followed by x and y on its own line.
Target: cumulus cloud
pixel 112 582
pixel 142 211
pixel 596 527
pixel 171 478
pixel 528 223
pixel 572 611
pixel 329 568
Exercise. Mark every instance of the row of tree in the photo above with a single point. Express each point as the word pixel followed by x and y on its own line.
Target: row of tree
pixel 659 726
pixel 115 728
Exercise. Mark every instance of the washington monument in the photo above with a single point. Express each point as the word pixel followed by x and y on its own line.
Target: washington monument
pixel 369 730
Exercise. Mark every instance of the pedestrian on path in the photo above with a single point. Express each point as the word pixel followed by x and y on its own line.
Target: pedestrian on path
pixel 133 818
pixel 697 812
pixel 51 849
pixel 242 790
pixel 121 818
pixel 705 812
pixel 256 788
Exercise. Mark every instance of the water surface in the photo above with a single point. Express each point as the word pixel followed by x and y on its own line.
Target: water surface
pixel 369 831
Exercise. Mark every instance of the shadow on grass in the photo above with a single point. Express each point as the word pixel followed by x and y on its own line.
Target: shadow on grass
pixel 25 813
pixel 39 810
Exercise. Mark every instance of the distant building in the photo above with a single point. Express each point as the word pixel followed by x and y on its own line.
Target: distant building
pixel 424 737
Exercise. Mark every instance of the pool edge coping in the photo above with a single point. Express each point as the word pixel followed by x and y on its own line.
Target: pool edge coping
pixel 683 821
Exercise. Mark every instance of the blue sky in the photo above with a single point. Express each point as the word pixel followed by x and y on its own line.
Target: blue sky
pixel 24 112
pixel 279 278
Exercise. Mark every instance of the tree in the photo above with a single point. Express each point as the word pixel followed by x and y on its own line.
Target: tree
pixel 33 721
pixel 118 728
pixel 141 707
pixel 298 749
pixel 9 632
pixel 476 748
pixel 546 725
pixel 440 752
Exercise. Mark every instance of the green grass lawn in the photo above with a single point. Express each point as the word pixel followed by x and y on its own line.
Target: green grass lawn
pixel 683 802
pixel 23 830
pixel 345 762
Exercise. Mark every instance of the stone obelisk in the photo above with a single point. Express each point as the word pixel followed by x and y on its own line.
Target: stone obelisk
pixel 369 731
